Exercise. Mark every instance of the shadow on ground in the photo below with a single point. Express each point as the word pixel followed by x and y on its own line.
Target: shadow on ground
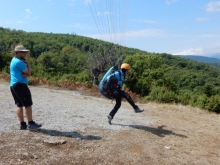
pixel 67 134
pixel 159 131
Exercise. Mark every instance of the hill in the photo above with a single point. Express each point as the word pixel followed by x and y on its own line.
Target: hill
pixel 202 58
pixel 215 60
pixel 216 56
pixel 66 60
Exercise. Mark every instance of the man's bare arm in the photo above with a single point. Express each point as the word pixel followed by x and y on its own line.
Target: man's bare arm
pixel 27 72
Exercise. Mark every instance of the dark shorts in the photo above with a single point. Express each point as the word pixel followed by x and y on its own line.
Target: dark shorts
pixel 21 95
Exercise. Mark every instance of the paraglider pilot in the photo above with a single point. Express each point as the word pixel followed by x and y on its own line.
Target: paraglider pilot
pixel 118 93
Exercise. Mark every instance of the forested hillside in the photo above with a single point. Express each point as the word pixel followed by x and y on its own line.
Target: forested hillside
pixel 201 58
pixel 69 58
pixel 209 60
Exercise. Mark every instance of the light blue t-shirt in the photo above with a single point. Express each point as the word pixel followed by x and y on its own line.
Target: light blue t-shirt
pixel 16 68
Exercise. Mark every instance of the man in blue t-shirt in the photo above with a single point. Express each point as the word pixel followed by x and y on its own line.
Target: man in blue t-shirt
pixel 19 71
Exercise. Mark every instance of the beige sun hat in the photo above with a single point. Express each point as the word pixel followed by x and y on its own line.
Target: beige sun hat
pixel 20 48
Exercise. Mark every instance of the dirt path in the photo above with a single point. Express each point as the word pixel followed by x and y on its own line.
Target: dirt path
pixel 75 131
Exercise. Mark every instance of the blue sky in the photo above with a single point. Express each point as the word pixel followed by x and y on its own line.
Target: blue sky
pixel 186 27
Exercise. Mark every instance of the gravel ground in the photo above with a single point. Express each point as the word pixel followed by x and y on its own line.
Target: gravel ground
pixel 66 111
pixel 75 131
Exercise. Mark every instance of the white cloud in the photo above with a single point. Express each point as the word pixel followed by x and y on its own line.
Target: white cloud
pixel 80 15
pixel 72 3
pixel 14 22
pixel 107 13
pixel 131 35
pixel 99 14
pixel 87 2
pixel 202 19
pixel 211 50
pixel 145 21
pixel 81 26
pixel 78 26
pixel 193 51
pixel 103 14
pixel 168 2
pixel 27 13
pixel 36 17
pixel 145 33
pixel 209 36
pixel 213 7
pixel 149 21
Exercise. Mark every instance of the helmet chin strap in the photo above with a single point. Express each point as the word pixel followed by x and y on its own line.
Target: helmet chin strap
pixel 124 70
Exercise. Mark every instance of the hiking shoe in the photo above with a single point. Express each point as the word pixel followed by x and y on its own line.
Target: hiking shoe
pixel 34 125
pixel 138 110
pixel 23 126
pixel 110 119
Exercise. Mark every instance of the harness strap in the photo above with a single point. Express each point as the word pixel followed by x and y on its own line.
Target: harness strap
pixel 120 75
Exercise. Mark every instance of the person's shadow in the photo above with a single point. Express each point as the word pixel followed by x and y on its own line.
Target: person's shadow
pixel 159 131
pixel 67 134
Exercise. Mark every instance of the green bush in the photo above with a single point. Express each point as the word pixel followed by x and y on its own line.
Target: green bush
pixel 80 77
pixel 214 104
pixel 184 98
pixel 5 59
pixel 162 95
pixel 202 101
pixel 147 71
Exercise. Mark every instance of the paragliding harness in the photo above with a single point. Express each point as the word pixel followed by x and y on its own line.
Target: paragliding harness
pixel 109 83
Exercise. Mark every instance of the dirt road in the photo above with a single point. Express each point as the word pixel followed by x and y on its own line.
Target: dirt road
pixel 75 131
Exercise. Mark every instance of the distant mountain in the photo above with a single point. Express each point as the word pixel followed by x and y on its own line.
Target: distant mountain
pixel 202 58
pixel 216 56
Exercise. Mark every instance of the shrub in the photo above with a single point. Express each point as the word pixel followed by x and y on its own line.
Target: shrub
pixel 202 101
pixel 162 95
pixel 214 104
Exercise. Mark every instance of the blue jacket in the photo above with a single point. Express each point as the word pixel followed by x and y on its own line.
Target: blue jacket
pixel 120 76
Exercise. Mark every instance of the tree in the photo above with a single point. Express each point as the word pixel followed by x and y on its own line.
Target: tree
pixel 147 71
pixel 98 61
pixel 209 90
pixel 45 59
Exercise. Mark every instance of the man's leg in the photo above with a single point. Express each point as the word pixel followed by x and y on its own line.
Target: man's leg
pixel 27 101
pixel 19 110
pixel 116 107
pixel 28 112
pixel 128 98
pixel 20 114
pixel 31 123
pixel 131 102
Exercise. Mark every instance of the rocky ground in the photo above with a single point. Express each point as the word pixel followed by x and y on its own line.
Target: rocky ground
pixel 75 131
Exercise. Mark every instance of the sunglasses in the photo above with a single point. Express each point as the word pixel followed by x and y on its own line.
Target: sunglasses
pixel 24 52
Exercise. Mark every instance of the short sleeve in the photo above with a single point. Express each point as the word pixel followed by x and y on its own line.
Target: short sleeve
pixel 21 65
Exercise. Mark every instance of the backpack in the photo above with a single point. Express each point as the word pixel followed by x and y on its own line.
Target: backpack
pixel 109 83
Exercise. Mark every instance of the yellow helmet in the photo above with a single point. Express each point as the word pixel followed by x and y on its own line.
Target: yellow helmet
pixel 125 66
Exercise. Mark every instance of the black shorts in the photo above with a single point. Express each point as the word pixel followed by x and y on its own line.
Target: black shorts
pixel 21 95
